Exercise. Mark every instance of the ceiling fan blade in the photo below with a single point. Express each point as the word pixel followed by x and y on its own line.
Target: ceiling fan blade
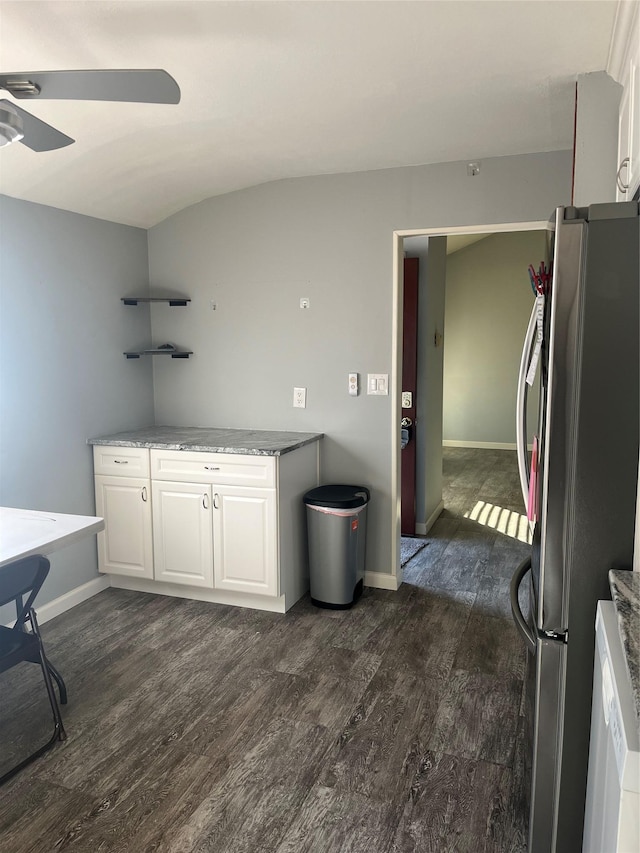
pixel 38 135
pixel 140 86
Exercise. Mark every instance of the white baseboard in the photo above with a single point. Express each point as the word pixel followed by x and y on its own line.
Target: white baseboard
pixel 485 445
pixel 423 529
pixel 275 604
pixel 378 580
pixel 70 599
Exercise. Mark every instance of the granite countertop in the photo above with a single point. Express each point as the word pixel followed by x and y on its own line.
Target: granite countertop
pixel 246 441
pixel 625 591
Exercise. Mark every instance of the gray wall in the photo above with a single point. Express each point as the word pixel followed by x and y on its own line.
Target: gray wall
pixel 63 377
pixel 257 251
pixel 488 304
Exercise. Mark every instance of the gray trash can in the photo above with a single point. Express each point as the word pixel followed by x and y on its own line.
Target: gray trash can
pixel 337 528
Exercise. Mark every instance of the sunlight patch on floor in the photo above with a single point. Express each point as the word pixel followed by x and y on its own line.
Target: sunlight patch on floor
pixel 506 521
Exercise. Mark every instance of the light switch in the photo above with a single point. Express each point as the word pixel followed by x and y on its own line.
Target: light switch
pixel 378 383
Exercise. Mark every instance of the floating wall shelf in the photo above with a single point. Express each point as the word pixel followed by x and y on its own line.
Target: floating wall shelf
pixel 172 300
pixel 180 301
pixel 174 353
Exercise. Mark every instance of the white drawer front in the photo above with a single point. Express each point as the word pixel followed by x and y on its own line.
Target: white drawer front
pixel 121 461
pixel 218 468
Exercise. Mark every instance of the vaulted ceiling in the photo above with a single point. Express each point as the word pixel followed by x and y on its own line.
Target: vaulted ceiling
pixel 281 89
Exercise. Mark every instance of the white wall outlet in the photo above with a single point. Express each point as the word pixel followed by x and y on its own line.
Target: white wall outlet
pixel 299 398
pixel 305 302
pixel 353 384
pixel 212 305
pixel 378 383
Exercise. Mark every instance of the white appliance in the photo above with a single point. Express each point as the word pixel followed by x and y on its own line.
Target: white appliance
pixel 612 812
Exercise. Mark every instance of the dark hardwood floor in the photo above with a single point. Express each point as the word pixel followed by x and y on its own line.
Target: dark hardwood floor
pixel 390 728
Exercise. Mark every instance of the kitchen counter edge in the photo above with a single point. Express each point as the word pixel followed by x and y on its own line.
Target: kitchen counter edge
pixel 625 592
pixel 201 439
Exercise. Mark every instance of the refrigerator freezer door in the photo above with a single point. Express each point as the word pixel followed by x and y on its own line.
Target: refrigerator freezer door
pixel 545 700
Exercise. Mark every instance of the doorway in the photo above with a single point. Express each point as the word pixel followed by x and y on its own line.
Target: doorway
pixel 399 237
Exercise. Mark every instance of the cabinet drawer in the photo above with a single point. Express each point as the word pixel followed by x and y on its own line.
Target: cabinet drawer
pixel 121 461
pixel 218 468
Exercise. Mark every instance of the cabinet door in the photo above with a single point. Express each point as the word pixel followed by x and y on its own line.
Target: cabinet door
pixel 125 544
pixel 182 533
pixel 245 540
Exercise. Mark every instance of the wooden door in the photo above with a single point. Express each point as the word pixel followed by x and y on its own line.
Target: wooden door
pixel 409 385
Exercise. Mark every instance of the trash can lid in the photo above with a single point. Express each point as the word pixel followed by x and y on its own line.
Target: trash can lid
pixel 344 497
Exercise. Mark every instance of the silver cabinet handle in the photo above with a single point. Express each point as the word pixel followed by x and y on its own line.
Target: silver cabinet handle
pixel 144 494
pixel 121 461
pixel 205 501
pixel 211 467
pixel 621 185
pixel 216 501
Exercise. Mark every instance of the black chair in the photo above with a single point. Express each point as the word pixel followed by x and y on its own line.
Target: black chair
pixel 17 644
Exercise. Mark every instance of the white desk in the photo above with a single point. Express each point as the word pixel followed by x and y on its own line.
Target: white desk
pixel 24 531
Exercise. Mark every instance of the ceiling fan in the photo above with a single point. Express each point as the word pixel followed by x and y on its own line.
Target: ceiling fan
pixel 18 125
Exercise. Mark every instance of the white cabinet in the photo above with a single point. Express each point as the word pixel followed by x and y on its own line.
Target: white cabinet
pixel 182 529
pixel 626 70
pixel 244 536
pixel 220 527
pixel 125 545
pixel 244 517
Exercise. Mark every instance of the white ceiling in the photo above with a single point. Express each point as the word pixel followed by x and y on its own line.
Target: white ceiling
pixel 282 89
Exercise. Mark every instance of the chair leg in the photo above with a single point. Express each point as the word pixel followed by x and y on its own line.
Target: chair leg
pixel 47 671
pixel 59 681
pixel 14 770
pixel 57 719
pixel 58 728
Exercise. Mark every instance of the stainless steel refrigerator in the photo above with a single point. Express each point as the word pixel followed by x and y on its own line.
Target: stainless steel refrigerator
pixel 588 370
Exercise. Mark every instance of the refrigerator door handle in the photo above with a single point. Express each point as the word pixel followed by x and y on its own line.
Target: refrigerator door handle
pixel 521 623
pixel 521 406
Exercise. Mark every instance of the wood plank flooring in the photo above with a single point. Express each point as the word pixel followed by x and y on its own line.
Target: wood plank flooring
pixel 390 728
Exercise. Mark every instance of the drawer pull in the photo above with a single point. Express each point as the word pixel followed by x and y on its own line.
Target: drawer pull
pixel 121 461
pixel 144 494
pixel 211 467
